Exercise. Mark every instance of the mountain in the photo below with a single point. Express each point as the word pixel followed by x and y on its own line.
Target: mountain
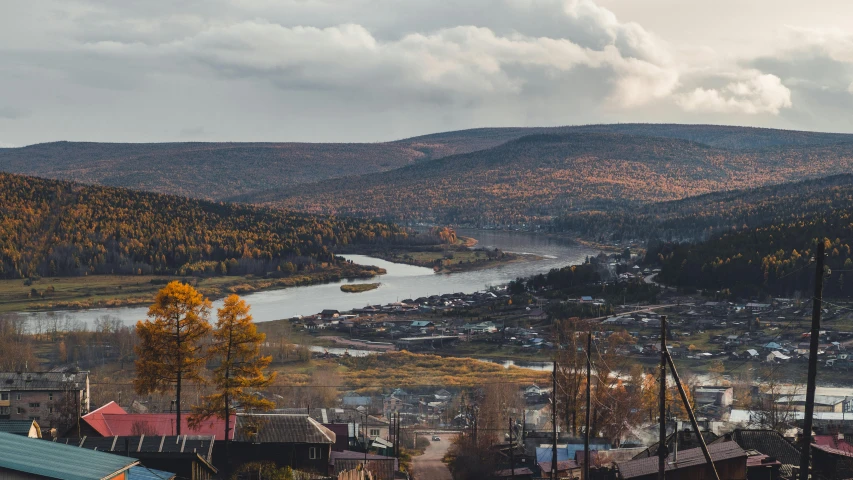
pixel 704 216
pixel 537 177
pixel 57 228
pixel 222 170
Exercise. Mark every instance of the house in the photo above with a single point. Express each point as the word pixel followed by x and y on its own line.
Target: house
pixel 351 400
pixel 329 314
pixel 757 307
pixel 382 467
pixel 23 458
pixel 27 428
pixel 44 396
pixel 777 357
pixel 822 403
pixel 710 395
pixel 188 456
pixel 729 460
pixel 111 420
pixel 422 324
pixel 766 442
pixel 831 462
pixel 297 441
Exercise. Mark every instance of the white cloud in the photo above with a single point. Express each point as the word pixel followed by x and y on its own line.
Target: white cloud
pixel 850 87
pixel 760 93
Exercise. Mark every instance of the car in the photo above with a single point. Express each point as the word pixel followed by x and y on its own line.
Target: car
pixel 436 438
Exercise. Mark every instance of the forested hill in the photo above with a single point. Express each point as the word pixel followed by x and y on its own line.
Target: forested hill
pixel 222 170
pixel 537 177
pixel 774 259
pixel 704 216
pixel 55 228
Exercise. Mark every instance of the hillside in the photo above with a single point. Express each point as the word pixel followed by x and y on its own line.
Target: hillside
pixel 536 177
pixel 222 170
pixel 774 259
pixel 55 228
pixel 704 216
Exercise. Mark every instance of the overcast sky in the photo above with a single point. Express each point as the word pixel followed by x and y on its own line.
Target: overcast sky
pixel 372 70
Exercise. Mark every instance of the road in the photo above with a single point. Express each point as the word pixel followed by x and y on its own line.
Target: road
pixel 429 465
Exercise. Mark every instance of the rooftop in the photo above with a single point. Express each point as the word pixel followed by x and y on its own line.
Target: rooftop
pixel 686 458
pixel 282 428
pixel 42 380
pixel 54 460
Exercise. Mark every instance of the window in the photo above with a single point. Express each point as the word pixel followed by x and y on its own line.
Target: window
pixel 5 410
pixel 17 396
pixel 35 405
pixel 50 396
pixel 49 409
pixel 4 396
pixel 374 432
pixel 20 411
pixel 313 453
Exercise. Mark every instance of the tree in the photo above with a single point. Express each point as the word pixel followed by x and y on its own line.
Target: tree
pixel 237 346
pixel 170 351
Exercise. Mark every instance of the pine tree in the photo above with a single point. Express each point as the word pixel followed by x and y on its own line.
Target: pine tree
pixel 237 346
pixel 170 350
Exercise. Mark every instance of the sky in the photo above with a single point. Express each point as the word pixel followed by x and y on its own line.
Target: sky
pixel 377 70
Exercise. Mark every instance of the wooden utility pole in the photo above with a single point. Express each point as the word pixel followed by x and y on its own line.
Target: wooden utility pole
pixel 511 451
pixel 554 422
pixel 805 448
pixel 692 416
pixel 588 404
pixel 662 450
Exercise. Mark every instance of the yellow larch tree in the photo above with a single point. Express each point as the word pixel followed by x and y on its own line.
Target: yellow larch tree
pixel 170 351
pixel 237 346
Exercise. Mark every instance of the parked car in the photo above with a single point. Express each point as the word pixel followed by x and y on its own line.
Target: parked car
pixel 436 438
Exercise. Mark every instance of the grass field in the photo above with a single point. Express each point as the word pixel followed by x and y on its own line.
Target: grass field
pixel 359 287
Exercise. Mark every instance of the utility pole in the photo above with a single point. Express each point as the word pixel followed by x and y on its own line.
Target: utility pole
pixel 511 451
pixel 588 404
pixel 805 448
pixel 554 422
pixel 662 450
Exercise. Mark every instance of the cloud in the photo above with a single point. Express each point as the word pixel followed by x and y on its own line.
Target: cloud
pixel 850 87
pixel 760 93
pixel 11 113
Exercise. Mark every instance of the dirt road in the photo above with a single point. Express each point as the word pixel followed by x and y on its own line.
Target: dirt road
pixel 429 465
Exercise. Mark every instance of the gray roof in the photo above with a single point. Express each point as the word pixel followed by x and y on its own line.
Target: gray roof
pixel 42 380
pixel 201 445
pixel 768 442
pixel 16 427
pixel 278 428
pixel 686 458
pixel 53 460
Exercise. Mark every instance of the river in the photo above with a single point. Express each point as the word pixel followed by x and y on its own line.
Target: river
pixel 400 282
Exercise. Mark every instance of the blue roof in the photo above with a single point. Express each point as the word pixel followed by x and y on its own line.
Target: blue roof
pixel 56 460
pixel 566 452
pixel 144 473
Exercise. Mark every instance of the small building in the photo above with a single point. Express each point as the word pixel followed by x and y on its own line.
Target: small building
pixel 26 428
pixel 710 395
pixel 111 420
pixel 757 307
pixel 728 457
pixel 777 357
pixel 766 442
pixel 382 467
pixel 23 458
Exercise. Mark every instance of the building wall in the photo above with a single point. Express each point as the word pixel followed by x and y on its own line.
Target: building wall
pixel 295 455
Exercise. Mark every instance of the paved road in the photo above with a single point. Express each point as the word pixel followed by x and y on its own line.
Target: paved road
pixel 429 465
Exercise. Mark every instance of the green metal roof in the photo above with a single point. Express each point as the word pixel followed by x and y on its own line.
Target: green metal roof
pixel 18 427
pixel 55 460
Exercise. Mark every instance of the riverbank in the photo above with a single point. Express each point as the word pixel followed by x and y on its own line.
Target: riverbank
pixel 113 291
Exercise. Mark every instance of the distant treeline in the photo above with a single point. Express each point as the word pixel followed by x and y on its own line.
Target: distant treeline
pixel 55 228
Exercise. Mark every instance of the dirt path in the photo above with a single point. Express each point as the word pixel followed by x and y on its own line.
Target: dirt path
pixel 346 342
pixel 429 465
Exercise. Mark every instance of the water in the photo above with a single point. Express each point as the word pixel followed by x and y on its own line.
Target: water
pixel 401 282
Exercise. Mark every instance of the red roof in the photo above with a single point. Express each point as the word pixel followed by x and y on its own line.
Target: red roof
pixel 834 442
pixel 95 418
pixel 111 420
